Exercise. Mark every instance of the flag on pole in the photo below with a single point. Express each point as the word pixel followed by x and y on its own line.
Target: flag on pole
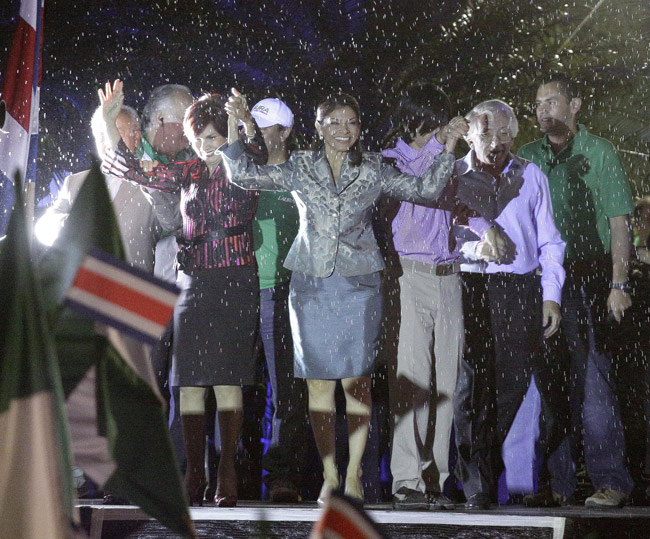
pixel 344 518
pixel 103 368
pixel 36 473
pixel 19 101
pixel 123 297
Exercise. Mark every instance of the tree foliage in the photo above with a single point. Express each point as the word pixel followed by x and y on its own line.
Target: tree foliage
pixel 503 47
pixel 303 49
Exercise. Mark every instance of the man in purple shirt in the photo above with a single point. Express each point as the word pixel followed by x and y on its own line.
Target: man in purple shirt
pixel 522 288
pixel 425 278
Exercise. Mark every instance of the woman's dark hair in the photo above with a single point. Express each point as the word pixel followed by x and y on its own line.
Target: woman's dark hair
pixel 337 101
pixel 423 106
pixel 207 109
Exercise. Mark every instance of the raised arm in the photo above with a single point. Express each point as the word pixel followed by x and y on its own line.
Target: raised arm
pixel 237 109
pixel 111 99
pixel 428 188
pixel 122 164
pixel 422 190
pixel 244 172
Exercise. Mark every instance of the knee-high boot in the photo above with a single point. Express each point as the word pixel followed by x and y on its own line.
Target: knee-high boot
pixel 230 424
pixel 194 437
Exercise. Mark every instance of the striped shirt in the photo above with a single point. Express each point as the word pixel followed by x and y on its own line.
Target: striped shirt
pixel 209 204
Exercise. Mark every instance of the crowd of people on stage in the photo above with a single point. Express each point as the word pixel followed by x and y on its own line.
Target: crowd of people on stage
pixel 477 281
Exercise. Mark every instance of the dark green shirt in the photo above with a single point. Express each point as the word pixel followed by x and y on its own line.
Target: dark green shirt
pixel 274 229
pixel 588 186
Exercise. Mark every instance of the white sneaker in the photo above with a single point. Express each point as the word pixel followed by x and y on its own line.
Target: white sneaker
pixel 606 498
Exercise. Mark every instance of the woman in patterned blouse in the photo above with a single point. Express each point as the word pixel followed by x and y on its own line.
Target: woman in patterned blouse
pixel 215 319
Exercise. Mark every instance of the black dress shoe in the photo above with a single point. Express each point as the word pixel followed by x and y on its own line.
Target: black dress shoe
pixel 478 501
pixel 112 499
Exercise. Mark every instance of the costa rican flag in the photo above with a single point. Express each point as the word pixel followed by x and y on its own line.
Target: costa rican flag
pixel 344 518
pixel 126 298
pixel 19 99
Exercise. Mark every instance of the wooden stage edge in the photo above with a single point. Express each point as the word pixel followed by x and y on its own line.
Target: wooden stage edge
pixel 103 521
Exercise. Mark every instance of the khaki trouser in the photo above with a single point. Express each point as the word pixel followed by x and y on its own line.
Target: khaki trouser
pixel 423 378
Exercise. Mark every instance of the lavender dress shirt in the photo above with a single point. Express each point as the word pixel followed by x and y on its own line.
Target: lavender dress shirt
pixel 422 232
pixel 522 204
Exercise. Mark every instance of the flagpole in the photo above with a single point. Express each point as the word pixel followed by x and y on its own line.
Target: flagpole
pixel 32 154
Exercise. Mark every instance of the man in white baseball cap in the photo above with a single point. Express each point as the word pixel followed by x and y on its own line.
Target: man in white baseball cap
pixel 272 111
pixel 276 225
pixel 275 121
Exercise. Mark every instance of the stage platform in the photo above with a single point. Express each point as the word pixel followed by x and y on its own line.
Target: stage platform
pixel 265 520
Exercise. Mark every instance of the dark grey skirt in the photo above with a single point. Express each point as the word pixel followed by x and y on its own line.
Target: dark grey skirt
pixel 215 327
pixel 335 324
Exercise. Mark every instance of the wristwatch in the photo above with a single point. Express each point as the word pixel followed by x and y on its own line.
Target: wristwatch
pixel 623 287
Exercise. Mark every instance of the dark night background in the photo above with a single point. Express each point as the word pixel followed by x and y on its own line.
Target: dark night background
pixel 475 49
pixel 301 50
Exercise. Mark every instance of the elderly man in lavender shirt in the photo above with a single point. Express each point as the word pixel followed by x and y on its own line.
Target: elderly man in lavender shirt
pixel 423 374
pixel 523 291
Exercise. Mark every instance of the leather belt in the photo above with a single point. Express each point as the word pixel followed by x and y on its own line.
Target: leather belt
pixel 510 276
pixel 183 255
pixel 440 270
pixel 216 235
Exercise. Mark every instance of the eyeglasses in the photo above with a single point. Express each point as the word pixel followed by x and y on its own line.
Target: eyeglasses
pixel 489 136
pixel 335 122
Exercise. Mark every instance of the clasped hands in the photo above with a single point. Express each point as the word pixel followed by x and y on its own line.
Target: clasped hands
pixel 448 135
pixel 495 247
pixel 237 109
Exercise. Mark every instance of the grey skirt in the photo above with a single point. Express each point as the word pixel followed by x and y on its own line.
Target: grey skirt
pixel 215 327
pixel 335 323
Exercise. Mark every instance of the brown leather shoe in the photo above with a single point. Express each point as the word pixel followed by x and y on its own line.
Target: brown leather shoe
pixel 283 491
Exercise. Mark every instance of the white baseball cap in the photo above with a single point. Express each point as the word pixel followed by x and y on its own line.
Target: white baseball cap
pixel 272 111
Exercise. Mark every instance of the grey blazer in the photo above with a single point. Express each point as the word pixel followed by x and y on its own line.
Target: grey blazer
pixel 336 219
pixel 138 225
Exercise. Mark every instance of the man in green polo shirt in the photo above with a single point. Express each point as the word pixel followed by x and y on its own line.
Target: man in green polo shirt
pixel 592 201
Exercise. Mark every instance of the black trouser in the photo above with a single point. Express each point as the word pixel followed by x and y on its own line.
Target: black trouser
pixel 503 349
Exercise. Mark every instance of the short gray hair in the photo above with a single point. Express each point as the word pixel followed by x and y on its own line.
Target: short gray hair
pixel 159 96
pixel 98 127
pixel 490 109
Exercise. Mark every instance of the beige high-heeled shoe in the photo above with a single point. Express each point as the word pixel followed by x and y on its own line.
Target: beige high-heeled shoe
pixel 328 486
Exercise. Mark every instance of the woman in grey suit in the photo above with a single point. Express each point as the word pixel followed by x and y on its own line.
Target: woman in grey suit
pixel 335 299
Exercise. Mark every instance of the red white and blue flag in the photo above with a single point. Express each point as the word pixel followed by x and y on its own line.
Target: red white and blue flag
pixel 344 518
pixel 121 296
pixel 19 101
